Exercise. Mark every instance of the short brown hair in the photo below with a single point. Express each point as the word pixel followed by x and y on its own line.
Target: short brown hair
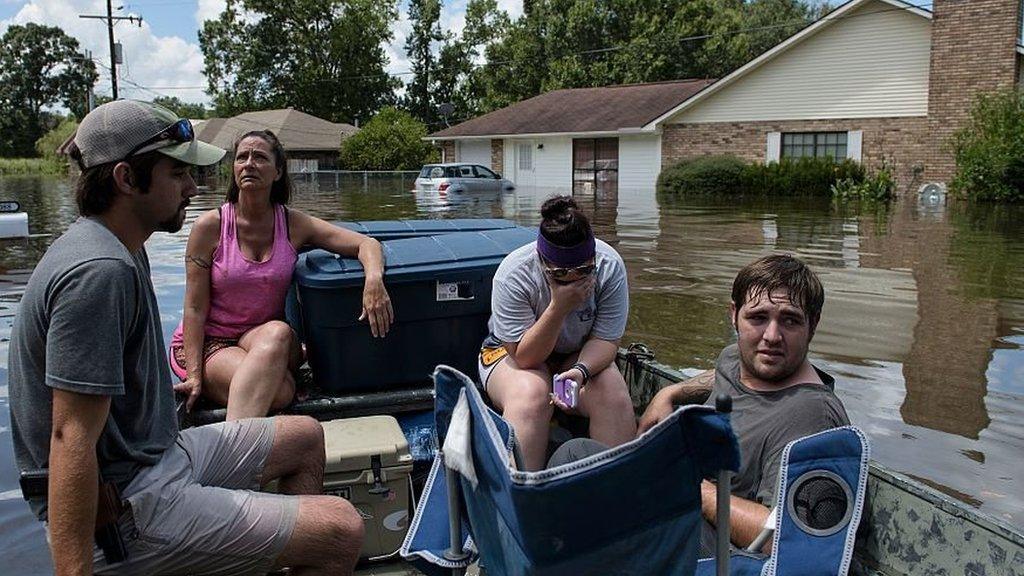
pixel 94 190
pixel 780 272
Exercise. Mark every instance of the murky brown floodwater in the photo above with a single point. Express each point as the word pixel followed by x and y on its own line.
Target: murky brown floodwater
pixel 923 324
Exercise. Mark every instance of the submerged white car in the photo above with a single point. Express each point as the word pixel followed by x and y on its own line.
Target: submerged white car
pixel 457 177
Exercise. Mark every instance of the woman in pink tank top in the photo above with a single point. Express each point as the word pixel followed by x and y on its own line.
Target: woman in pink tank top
pixel 233 345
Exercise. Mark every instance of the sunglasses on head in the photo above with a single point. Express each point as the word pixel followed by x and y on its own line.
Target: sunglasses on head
pixel 180 132
pixel 559 273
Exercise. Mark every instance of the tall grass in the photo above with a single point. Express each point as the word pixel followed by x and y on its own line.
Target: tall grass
pixel 19 166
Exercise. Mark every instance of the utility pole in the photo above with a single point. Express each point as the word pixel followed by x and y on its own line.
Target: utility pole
pixel 111 20
pixel 89 104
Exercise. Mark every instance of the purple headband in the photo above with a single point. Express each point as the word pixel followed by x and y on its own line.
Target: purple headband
pixel 566 257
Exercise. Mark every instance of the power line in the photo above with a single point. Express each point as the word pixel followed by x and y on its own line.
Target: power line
pixel 110 19
pixel 791 23
pixel 697 37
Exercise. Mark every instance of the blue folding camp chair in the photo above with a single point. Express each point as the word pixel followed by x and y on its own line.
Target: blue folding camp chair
pixel 634 509
pixel 820 498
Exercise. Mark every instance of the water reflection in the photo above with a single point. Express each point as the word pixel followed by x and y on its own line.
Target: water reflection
pixel 923 323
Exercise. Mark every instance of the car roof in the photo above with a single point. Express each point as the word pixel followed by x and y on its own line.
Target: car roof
pixel 451 164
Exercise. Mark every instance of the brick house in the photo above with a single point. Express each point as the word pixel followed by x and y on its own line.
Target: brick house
pixel 873 79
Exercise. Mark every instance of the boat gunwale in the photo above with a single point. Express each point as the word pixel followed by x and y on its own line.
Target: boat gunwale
pixel 881 472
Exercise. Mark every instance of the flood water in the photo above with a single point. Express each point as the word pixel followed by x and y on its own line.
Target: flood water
pixel 923 325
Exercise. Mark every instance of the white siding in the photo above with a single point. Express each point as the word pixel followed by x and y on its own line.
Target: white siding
pixel 475 152
pixel 552 160
pixel 639 161
pixel 872 63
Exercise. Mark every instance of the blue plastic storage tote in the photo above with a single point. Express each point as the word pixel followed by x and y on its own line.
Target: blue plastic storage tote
pixel 440 288
pixel 395 229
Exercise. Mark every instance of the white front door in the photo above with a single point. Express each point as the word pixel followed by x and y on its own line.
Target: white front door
pixel 526 162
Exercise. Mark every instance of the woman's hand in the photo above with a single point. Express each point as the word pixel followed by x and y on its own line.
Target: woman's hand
pixel 576 376
pixel 377 307
pixel 567 297
pixel 193 387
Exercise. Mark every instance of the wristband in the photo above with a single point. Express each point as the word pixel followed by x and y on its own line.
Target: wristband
pixel 584 371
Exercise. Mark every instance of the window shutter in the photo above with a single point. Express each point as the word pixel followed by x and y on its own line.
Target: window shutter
pixel 854 140
pixel 774 147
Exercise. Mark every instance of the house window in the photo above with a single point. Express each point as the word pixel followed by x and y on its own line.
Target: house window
pixel 595 162
pixel 525 156
pixel 302 165
pixel 814 144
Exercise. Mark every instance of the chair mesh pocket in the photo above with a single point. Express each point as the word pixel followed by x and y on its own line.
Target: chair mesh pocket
pixel 820 503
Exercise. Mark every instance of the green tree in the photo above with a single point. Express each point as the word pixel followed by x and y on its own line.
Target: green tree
pixel 40 67
pixel 392 140
pixel 325 57
pixel 182 109
pixel 47 145
pixel 458 79
pixel 583 43
pixel 989 150
pixel 419 47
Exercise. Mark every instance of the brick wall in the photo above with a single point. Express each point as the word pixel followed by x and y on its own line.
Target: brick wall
pixel 973 51
pixel 901 141
pixel 498 156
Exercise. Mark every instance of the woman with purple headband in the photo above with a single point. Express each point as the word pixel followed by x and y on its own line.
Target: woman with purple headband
pixel 558 309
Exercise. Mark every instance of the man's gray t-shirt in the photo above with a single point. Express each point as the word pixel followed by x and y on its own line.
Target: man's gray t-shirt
pixel 89 323
pixel 764 422
pixel 521 294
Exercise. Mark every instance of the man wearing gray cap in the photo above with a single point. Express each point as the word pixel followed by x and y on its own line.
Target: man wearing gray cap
pixel 92 404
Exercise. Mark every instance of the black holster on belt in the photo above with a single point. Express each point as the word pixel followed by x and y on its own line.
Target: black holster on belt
pixel 109 508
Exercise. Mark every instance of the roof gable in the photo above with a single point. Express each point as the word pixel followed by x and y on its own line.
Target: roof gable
pixel 580 110
pixel 832 18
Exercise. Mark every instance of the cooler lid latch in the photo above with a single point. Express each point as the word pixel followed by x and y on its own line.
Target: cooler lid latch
pixel 378 485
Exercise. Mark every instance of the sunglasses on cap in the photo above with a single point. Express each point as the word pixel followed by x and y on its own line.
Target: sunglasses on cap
pixel 179 132
pixel 559 273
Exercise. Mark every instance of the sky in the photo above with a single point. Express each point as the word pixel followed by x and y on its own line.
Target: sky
pixel 162 56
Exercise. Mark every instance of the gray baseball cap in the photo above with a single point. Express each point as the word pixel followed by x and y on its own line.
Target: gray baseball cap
pixel 123 128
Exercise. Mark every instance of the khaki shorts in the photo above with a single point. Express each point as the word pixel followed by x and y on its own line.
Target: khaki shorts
pixel 197 512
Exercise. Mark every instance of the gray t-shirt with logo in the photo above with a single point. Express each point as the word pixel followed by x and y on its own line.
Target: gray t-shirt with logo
pixel 764 422
pixel 521 294
pixel 89 324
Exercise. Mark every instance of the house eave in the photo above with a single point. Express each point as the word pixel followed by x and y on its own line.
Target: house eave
pixel 812 29
pixel 525 135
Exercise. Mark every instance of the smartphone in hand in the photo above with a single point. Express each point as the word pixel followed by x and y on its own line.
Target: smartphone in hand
pixel 566 390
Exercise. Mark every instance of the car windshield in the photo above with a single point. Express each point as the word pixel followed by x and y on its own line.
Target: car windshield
pixel 425 172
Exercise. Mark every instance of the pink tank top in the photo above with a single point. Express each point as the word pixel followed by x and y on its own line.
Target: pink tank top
pixel 243 293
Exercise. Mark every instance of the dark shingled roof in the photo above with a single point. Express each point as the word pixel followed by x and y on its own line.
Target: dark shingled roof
pixel 604 109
